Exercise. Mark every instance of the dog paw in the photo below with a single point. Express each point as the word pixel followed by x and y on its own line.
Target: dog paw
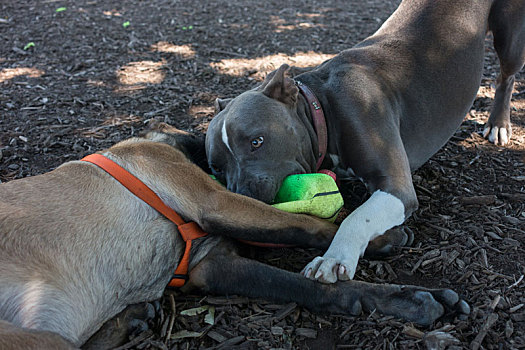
pixel 452 303
pixel 389 243
pixel 425 306
pixel 498 135
pixel 330 270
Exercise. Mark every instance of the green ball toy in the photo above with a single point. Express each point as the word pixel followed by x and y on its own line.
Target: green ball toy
pixel 314 194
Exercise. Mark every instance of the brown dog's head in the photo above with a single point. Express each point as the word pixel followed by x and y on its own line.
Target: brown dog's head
pixel 192 146
pixel 259 138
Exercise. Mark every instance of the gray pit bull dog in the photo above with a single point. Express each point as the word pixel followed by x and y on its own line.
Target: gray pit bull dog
pixel 390 102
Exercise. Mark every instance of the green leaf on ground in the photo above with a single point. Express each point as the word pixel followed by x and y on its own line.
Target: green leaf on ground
pixel 126 24
pixel 195 311
pixel 60 9
pixel 210 316
pixel 29 45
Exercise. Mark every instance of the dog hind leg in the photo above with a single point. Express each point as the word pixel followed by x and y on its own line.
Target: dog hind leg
pixel 225 273
pixel 507 23
pixel 12 337
pixel 117 330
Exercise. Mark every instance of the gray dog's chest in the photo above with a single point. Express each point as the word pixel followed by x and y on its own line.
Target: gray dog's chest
pixel 343 173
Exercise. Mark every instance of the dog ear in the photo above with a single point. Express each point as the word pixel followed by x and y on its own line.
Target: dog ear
pixel 156 125
pixel 221 103
pixel 280 87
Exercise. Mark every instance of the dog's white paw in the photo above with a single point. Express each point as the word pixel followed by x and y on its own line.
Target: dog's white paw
pixel 330 270
pixel 496 135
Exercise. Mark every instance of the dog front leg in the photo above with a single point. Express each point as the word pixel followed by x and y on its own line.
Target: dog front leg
pixel 393 199
pixel 226 273
pixel 380 212
pixel 240 217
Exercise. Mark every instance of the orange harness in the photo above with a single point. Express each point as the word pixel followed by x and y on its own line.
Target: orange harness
pixel 188 230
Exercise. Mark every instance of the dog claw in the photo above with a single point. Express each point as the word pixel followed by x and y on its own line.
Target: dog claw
pixel 486 131
pixel 308 273
pixel 497 135
pixel 329 270
pixel 342 270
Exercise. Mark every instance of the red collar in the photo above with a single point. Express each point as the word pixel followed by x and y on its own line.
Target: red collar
pixel 188 230
pixel 318 119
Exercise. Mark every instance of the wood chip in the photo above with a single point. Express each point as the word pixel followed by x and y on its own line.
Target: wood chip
pixel 509 328
pixel 438 340
pixel 230 342
pixel 139 339
pixel 288 309
pixel 509 219
pixel 391 273
pixel 515 283
pixel 495 302
pixel 493 235
pixel 277 330
pixel 227 300
pixel 478 200
pixel 430 261
pixel 306 332
pixel 484 257
pixel 514 197
pixel 219 338
pixel 413 332
pixel 451 257
pixel 516 308
pixel 489 322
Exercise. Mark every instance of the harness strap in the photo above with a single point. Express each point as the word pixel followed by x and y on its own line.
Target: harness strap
pixel 318 119
pixel 188 230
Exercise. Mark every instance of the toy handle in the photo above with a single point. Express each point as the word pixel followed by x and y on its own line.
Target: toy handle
pixel 329 173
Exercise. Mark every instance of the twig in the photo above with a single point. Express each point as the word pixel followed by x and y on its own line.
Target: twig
pixel 491 319
pixel 172 319
pixel 495 302
pixel 478 200
pixel 515 283
pixel 140 338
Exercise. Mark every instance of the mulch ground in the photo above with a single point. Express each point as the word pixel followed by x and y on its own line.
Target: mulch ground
pixel 99 71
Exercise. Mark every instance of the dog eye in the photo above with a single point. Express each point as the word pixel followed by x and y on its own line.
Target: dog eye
pixel 257 142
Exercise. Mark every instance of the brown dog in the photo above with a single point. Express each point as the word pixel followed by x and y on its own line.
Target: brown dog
pixel 76 247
